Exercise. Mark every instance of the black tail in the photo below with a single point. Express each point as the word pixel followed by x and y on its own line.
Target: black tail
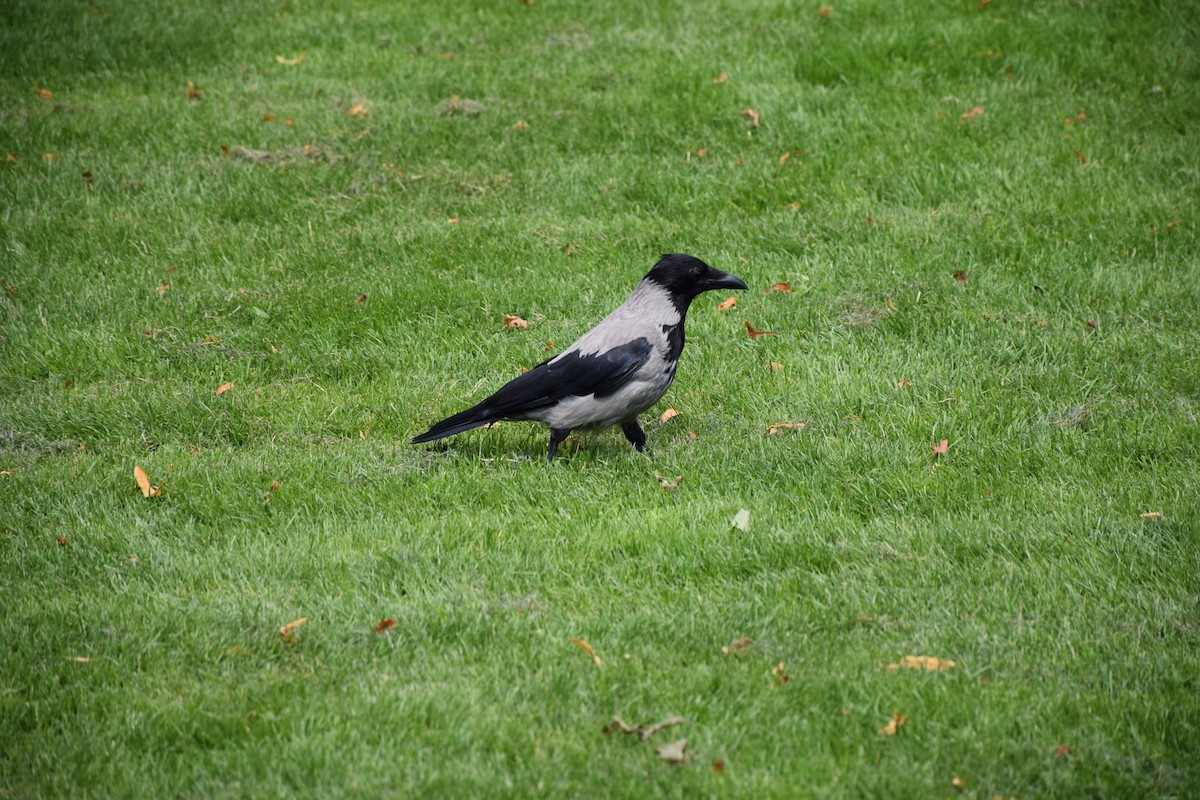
pixel 462 421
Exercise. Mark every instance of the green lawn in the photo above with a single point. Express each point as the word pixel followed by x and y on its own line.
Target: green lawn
pixel 340 239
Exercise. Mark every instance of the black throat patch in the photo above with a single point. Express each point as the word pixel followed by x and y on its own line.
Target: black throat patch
pixel 674 340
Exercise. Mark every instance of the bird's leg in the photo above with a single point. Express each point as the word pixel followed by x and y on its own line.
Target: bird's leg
pixel 556 436
pixel 635 434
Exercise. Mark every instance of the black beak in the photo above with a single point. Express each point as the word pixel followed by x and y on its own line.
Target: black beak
pixel 723 280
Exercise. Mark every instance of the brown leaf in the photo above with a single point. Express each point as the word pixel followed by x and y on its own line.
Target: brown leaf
pixel 45 94
pixel 291 62
pixel 224 387
pixel 893 725
pixel 718 767
pixel 701 153
pixel 783 287
pixel 673 753
pixel 752 114
pixel 452 221
pixel 549 346
pixel 143 480
pixel 62 541
pixel 1080 117
pixel 958 783
pixel 645 732
pixel 724 76
pixel 783 158
pixel 739 646
pixel 725 305
pixel 940 448
pixel 754 333
pixel 970 114
pixel 825 11
pixel 927 663
pixel 1062 751
pixel 520 125
pixel 51 156
pixel 666 415
pixel 193 92
pixel 362 298
pixel 773 430
pixel 513 321
pixel 780 673
pixel 11 158
pixel 904 383
pixel 268 117
pixel 287 630
pixel 961 276
pixel 358 110
pixel 775 366
pixel 668 485
pixel 385 624
pixel 1082 158
pixel 163 288
pixel 587 648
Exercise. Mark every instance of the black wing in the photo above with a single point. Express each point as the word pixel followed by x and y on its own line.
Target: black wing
pixel 601 374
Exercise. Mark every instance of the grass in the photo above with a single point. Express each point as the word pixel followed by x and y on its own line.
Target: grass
pixel 146 262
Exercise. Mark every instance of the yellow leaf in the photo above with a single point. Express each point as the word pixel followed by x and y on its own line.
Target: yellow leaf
pixel 667 484
pixel 775 366
pixel 927 663
pixel 143 480
pixel 587 648
pixel 291 62
pixel 893 725
pixel 666 415
pixel 287 630
pixel 358 110
pixel 958 783
pixel 224 387
pixel 724 76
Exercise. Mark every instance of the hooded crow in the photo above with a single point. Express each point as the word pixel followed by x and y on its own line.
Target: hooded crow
pixel 614 372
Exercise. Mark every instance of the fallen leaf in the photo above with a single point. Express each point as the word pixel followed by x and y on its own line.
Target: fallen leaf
pixel 741 520
pixel 775 366
pixel 1062 751
pixel 513 321
pixel 1172 224
pixel 45 94
pixel 1148 514
pixel 752 114
pixel 970 114
pixel 587 648
pixel 1079 154
pixel 193 92
pixel 362 298
pixel 893 725
pixel 825 11
pixel 385 624
pixel 783 286
pixel 755 333
pixel 549 346
pixel 718 766
pixel 11 158
pixel 701 153
pixel 250 154
pixel 6 472
pixel 452 221
pixel 667 484
pixel 163 288
pixel 666 415
pixel 961 276
pixel 904 383
pixel 927 663
pixel 940 448
pixel 87 177
pixel 673 753
pixel 983 4
pixel 287 630
pixel 51 156
pixel 1091 323
pixel 958 783
pixel 291 62
pixel 1080 117
pixel 224 387
pixel 780 674
pixel 783 158
pixel 739 646
pixel 725 305
pixel 520 125
pixel 645 732
pixel 774 430
pixel 358 110
pixel 724 76
pixel 62 541
pixel 143 480
pixel 268 117
pixel 80 659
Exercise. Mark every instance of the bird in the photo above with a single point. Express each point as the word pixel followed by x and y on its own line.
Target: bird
pixel 613 372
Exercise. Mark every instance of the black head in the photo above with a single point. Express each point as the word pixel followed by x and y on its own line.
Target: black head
pixel 685 277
